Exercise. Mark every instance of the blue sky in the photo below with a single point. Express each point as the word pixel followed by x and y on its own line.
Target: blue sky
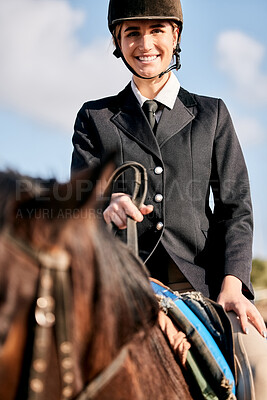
pixel 57 54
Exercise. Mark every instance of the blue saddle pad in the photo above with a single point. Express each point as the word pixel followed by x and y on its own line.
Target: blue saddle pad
pixel 196 323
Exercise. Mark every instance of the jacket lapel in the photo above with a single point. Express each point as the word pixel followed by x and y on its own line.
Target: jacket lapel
pixel 173 121
pixel 129 118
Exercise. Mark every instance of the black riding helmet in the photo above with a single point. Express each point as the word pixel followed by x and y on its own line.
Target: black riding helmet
pixel 125 10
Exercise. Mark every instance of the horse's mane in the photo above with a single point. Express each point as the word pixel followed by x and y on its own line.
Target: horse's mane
pixel 116 291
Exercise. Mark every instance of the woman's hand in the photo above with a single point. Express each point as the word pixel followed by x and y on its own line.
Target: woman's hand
pixel 121 207
pixel 177 339
pixel 232 299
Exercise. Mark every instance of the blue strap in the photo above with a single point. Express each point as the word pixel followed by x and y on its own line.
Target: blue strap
pixel 200 327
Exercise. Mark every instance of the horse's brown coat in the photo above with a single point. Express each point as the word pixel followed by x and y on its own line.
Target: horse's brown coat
pixel 113 303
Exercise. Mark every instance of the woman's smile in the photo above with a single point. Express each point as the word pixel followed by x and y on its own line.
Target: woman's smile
pixel 147 58
pixel 148 45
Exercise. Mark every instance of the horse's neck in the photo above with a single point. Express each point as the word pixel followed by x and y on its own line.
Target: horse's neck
pixel 140 371
pixel 109 334
pixel 11 358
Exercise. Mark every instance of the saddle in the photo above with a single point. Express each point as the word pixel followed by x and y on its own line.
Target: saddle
pixel 210 365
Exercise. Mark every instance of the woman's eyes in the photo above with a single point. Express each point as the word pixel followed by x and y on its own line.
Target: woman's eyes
pixel 137 33
pixel 132 34
pixel 157 31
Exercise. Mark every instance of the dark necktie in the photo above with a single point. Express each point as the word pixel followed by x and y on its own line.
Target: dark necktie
pixel 150 107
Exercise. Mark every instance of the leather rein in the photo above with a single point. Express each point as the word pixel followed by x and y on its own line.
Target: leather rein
pixel 54 302
pixel 138 197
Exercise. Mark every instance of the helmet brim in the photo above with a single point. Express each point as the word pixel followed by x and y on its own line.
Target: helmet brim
pixel 115 22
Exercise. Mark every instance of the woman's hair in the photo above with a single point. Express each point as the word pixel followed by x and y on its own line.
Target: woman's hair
pixel 117 33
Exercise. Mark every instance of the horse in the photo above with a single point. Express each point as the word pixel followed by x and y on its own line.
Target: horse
pixel 113 348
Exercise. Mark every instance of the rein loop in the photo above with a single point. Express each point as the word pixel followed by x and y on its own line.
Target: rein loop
pixel 138 197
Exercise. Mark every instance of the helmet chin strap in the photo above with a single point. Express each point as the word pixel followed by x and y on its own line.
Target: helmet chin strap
pixel 118 53
pixel 177 64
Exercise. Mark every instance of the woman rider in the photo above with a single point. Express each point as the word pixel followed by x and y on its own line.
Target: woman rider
pixel 188 145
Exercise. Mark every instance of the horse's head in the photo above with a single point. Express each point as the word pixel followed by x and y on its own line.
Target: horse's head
pixel 111 298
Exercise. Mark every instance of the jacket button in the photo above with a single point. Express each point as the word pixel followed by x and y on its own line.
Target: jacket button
pixel 158 170
pixel 158 198
pixel 159 226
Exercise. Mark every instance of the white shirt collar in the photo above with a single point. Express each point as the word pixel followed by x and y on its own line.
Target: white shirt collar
pixel 167 96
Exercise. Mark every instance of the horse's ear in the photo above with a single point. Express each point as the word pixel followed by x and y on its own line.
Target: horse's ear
pixel 54 200
pixel 90 188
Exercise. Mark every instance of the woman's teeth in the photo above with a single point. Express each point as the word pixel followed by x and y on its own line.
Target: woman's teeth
pixel 147 58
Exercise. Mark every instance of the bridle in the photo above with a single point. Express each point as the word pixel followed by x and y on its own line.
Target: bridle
pixel 54 303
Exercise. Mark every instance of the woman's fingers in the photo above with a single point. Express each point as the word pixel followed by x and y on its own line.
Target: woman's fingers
pixel 231 298
pixel 246 312
pixel 146 209
pixel 250 314
pixel 256 319
pixel 121 207
pixel 116 219
pixel 243 321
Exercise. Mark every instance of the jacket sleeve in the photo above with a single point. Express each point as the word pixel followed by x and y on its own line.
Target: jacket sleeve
pixel 86 144
pixel 232 216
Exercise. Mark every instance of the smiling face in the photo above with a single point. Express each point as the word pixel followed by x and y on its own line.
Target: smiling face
pixel 148 45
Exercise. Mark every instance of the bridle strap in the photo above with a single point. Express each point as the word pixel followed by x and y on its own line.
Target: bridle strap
pixel 138 197
pixel 53 305
pixel 94 387
pixel 57 259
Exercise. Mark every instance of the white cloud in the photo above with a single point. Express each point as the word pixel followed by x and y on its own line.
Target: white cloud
pixel 250 131
pixel 45 72
pixel 241 58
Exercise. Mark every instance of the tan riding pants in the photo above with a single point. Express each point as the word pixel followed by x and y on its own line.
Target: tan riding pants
pixel 251 360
